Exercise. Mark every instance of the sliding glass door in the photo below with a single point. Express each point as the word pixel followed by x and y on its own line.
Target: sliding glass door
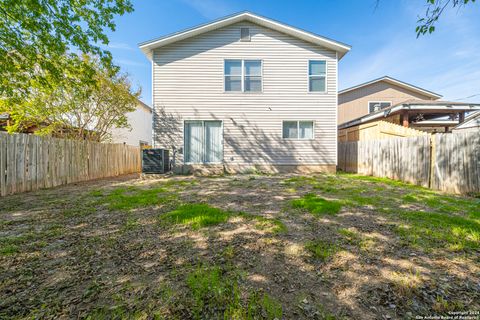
pixel 203 141
pixel 194 141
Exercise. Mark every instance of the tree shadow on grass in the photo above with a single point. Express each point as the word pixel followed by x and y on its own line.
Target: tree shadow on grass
pixel 125 263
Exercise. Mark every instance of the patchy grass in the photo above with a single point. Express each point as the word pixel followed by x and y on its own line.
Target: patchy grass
pixel 18 239
pixel 351 236
pixel 196 215
pixel 174 184
pixel 131 198
pixel 266 224
pixel 424 219
pixel 271 225
pixel 436 230
pixel 320 249
pixel 8 249
pixel 229 252
pixel 354 238
pixel 111 249
pixel 217 294
pixel 317 205
pixel 441 305
pixel 406 284
pixel 382 181
pixel 445 204
pixel 208 288
pixel 130 224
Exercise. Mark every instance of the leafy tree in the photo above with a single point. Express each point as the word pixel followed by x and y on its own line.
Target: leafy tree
pixel 37 35
pixel 76 109
pixel 435 8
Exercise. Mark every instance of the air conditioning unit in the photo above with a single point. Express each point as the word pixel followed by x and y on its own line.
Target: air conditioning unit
pixel 155 161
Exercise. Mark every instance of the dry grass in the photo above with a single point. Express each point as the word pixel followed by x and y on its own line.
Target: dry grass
pixel 244 247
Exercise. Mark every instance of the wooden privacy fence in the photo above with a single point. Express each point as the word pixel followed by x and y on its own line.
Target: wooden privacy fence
pixel 446 162
pixel 29 162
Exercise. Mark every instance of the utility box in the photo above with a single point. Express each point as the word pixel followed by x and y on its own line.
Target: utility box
pixel 155 161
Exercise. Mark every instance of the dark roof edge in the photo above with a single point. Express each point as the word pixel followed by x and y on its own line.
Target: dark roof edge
pixel 393 80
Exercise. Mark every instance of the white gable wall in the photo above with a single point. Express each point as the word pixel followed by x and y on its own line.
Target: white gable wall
pixel 140 121
pixel 188 84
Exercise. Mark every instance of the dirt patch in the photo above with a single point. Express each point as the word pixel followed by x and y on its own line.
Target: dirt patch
pixel 292 247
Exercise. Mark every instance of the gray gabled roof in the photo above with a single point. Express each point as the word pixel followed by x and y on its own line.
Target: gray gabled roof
pixel 339 47
pixel 395 82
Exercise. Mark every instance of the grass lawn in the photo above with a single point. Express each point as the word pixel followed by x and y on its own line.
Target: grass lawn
pixel 239 247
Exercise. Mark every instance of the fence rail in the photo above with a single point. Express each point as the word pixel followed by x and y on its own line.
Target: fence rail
pixel 446 162
pixel 29 162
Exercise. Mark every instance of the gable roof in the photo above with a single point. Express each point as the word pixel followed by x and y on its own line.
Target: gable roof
pixel 339 47
pixel 144 105
pixel 396 82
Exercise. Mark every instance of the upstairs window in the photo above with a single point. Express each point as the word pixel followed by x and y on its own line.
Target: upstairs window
pixel 378 105
pixel 298 130
pixel 253 75
pixel 233 75
pixel 317 76
pixel 243 75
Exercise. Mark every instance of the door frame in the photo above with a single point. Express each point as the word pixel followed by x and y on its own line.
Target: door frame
pixel 203 140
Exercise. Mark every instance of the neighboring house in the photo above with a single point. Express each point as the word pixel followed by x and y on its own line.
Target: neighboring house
pixel 377 94
pixel 471 124
pixel 246 92
pixel 140 131
pixel 415 116
pixel 387 107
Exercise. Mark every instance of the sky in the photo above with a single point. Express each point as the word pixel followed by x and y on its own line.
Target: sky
pixel 382 37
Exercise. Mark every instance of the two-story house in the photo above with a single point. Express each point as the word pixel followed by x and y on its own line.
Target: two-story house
pixel 246 92
pixel 390 108
pixel 140 131
pixel 378 94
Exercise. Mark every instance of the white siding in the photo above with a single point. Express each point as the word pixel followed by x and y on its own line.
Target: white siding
pixel 188 84
pixel 140 121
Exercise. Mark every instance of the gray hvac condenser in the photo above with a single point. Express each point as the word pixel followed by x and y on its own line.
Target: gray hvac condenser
pixel 155 161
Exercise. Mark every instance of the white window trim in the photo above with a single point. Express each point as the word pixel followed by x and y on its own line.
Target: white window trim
pixel 242 80
pixel 249 35
pixel 203 132
pixel 225 75
pixel 377 101
pixel 298 130
pixel 309 76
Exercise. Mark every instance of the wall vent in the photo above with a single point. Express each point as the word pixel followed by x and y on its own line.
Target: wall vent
pixel 244 34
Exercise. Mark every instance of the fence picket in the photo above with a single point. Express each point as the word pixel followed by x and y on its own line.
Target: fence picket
pixel 30 162
pixel 3 165
pixel 447 162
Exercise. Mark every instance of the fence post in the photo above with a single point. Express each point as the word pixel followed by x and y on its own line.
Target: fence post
pixel 431 174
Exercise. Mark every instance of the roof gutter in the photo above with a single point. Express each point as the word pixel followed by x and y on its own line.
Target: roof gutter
pixel 367 118
pixel 386 113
